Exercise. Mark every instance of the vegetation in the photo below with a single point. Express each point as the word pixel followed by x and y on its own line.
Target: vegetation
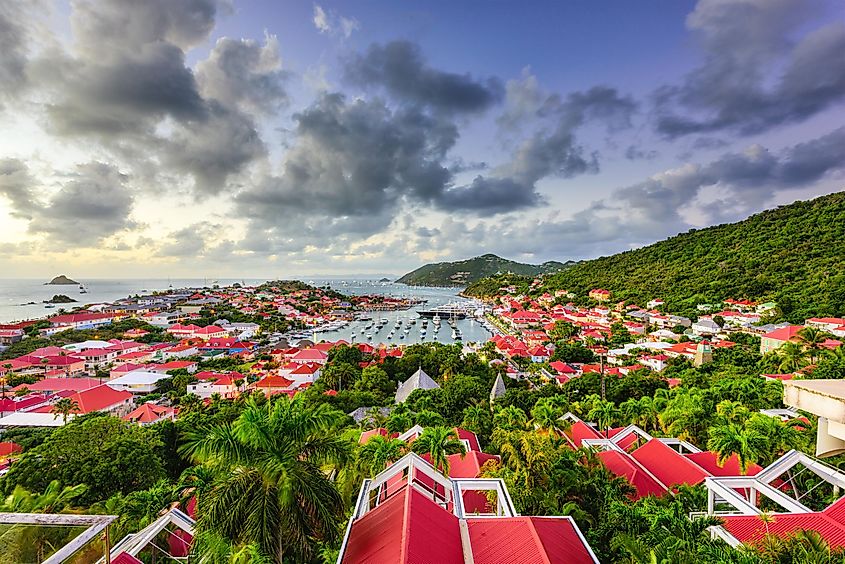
pixel 275 480
pixel 463 272
pixel 790 255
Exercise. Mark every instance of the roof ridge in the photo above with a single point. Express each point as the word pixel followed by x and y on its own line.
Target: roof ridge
pixel 543 553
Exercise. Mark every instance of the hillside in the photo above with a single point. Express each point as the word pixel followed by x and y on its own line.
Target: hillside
pixel 463 272
pixel 793 255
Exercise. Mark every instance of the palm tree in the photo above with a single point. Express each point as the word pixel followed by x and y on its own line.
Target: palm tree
pixel 634 411
pixel 743 440
pixel 793 357
pixel 780 437
pixel 476 419
pixel 732 411
pixel 812 338
pixel 510 418
pixel 380 452
pixel 438 443
pixel 603 413
pixel 548 417
pixel 271 487
pixel 64 407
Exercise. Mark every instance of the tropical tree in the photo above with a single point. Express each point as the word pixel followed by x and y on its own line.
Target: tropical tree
pixel 379 452
pixel 793 357
pixel 510 418
pixel 478 419
pixel 745 441
pixel 548 417
pixel 64 407
pixel 811 338
pixel 438 443
pixel 780 436
pixel 603 413
pixel 271 488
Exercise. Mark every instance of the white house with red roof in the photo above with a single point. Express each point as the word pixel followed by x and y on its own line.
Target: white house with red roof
pixel 82 320
pixel 834 325
pixel 310 356
pixel 222 384
pixel 410 513
pixel 775 339
pixel 100 398
pixel 149 413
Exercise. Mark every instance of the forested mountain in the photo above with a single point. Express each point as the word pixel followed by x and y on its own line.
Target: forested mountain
pixel 463 272
pixel 793 255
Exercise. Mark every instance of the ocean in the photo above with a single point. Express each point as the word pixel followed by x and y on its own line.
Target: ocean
pixel 15 295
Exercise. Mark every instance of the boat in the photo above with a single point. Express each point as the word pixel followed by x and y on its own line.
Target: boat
pixel 369 336
pixel 454 334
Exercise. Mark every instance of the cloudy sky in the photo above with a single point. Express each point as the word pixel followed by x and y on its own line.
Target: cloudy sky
pixel 271 138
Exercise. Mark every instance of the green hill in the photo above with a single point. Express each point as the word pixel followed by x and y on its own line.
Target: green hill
pixel 793 255
pixel 463 272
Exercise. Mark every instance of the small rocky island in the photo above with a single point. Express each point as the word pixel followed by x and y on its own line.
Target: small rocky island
pixel 61 280
pixel 60 299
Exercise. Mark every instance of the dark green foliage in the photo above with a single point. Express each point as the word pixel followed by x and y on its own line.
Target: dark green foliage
pixel 104 453
pixel 462 272
pixel 791 255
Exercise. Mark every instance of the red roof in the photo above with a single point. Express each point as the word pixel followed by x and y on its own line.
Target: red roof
pixel 9 448
pixel 709 461
pixel 784 333
pixel 367 435
pixel 580 431
pixel 310 354
pixel 147 413
pixel 624 466
pixel 409 528
pixel 668 465
pixel 829 523
pixel 61 384
pixel 124 558
pixel 94 399
pixel 526 540
pixel 467 465
pixel 468 436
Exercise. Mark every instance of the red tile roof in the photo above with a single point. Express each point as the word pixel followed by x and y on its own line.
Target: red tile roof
pixel 94 399
pixel 526 540
pixel 709 461
pixel 624 466
pixel 61 384
pixel 9 448
pixel 668 465
pixel 784 333
pixel 409 528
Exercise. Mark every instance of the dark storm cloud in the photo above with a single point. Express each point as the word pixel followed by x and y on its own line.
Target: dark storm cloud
pixel 489 196
pixel 400 68
pixel 93 202
pixel 125 85
pixel 751 179
pixel 212 149
pixel 13 45
pixel 127 97
pixel 555 152
pixel 754 75
pixel 243 73
pixel 17 186
pixel 354 160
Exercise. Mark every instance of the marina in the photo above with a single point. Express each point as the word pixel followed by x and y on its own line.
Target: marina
pixel 441 316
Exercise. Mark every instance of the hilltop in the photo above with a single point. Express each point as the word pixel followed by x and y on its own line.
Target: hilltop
pixel 791 255
pixel 463 272
pixel 61 280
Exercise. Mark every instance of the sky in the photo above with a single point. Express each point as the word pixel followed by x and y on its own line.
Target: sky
pixel 212 138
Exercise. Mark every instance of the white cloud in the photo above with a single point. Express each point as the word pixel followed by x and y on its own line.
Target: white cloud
pixel 332 23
